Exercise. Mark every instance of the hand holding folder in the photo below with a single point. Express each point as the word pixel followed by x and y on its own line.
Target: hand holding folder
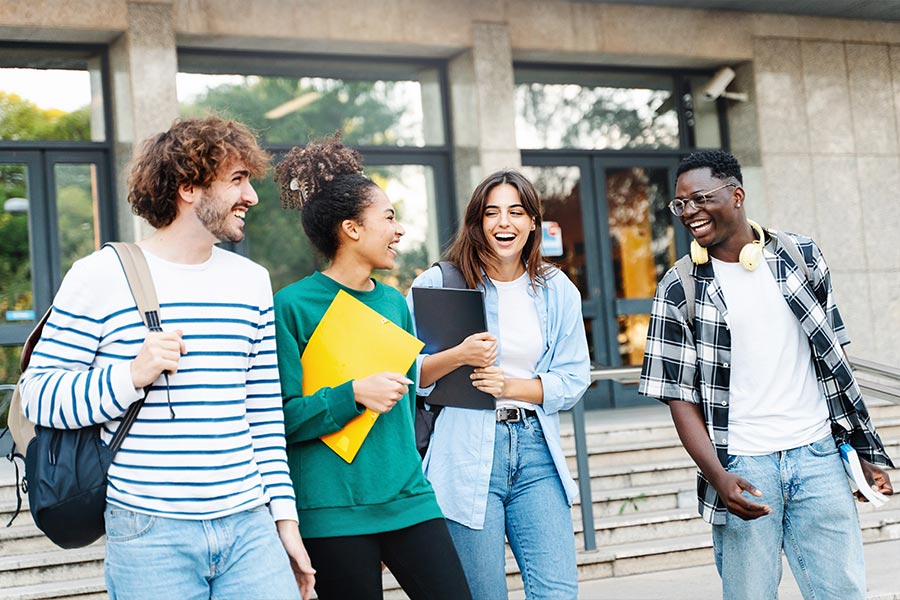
pixel 352 341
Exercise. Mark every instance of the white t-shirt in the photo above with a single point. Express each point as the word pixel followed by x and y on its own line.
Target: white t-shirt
pixel 520 333
pixel 775 399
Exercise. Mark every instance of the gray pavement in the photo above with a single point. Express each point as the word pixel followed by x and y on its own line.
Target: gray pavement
pixel 702 583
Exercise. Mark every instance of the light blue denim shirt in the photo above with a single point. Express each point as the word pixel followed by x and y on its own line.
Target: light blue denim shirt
pixel 459 459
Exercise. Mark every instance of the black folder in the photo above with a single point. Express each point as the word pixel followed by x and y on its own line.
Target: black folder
pixel 444 318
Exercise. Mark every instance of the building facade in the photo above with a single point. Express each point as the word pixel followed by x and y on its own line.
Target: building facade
pixel 596 102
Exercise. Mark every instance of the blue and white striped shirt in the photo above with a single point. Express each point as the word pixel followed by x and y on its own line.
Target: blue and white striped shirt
pixel 224 451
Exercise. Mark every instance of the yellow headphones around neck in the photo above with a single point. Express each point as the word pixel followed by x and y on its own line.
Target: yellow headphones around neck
pixel 751 254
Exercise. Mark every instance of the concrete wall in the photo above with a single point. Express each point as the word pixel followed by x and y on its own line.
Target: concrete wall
pixel 819 138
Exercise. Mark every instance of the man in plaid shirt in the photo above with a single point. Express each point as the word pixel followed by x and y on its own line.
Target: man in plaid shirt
pixel 761 394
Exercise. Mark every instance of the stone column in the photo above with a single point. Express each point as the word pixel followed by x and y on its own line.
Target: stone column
pixel 482 101
pixel 143 65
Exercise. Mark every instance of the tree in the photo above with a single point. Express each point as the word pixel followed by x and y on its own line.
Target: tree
pixel 21 119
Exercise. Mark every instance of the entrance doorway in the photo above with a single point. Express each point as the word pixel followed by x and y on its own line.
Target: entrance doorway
pixel 618 238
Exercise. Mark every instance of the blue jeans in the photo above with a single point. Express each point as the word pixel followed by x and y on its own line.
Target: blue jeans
pixel 813 519
pixel 239 556
pixel 527 504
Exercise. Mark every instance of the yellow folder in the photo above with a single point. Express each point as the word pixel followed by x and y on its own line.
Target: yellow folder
pixel 352 341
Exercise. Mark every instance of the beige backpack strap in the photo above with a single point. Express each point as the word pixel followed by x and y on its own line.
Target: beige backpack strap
pixel 134 263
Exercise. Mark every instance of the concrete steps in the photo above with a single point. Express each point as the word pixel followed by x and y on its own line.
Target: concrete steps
pixel 643 495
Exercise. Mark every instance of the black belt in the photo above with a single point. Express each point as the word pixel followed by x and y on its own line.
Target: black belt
pixel 513 414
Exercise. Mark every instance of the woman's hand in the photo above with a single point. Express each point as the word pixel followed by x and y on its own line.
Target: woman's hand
pixel 490 380
pixel 477 350
pixel 296 551
pixel 380 392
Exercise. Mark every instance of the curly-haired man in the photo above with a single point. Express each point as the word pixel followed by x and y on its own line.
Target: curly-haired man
pixel 188 491
pixel 745 346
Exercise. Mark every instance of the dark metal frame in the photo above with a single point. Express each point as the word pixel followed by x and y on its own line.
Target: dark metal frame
pixel 602 307
pixel 39 157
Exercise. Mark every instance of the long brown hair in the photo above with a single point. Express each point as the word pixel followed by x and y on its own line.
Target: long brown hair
pixel 470 250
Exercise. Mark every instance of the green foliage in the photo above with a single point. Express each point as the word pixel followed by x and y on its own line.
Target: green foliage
pixel 21 119
pixel 15 263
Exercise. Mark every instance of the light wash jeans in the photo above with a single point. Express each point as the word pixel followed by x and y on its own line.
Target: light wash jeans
pixel 237 557
pixel 527 504
pixel 813 519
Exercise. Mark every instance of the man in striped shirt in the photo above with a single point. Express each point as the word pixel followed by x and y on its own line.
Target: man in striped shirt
pixel 761 394
pixel 199 493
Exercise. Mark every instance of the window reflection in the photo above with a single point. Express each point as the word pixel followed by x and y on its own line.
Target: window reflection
pixel 77 211
pixel 560 192
pixel 290 101
pixel 594 110
pixel 632 337
pixel 275 236
pixel 16 301
pixel 61 100
pixel 641 229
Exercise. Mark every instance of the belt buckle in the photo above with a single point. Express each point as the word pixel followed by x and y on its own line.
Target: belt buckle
pixel 509 414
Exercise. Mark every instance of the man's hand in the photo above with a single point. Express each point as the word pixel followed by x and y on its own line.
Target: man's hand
pixel 380 392
pixel 160 352
pixel 304 573
pixel 490 380
pixel 477 350
pixel 730 488
pixel 877 478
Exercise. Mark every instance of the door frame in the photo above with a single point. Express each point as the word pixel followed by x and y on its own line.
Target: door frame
pixel 601 306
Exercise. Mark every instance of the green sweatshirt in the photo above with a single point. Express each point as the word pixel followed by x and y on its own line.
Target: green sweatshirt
pixel 383 489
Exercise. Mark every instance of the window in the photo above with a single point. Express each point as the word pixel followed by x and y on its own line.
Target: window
pixel 392 111
pixel 594 110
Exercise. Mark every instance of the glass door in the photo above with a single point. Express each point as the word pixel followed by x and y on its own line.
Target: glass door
pixel 618 239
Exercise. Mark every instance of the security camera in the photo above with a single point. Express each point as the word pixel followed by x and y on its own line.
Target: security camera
pixel 715 87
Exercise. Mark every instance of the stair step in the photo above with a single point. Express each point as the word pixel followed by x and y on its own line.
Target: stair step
pixel 47 567
pixel 93 588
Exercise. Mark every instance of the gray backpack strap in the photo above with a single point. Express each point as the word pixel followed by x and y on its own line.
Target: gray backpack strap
pixel 790 246
pixel 453 277
pixel 685 268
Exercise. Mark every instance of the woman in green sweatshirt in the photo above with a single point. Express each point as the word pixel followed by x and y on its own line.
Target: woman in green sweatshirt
pixel 379 507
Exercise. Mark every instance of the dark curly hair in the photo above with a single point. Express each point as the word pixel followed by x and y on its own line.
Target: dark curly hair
pixel 470 250
pixel 720 163
pixel 325 182
pixel 191 152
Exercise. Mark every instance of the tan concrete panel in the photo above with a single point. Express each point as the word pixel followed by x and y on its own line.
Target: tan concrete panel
pixel 789 194
pixel 651 30
pixel 894 56
pixel 820 28
pixel 854 300
pixel 838 211
pixel 780 96
pixel 871 96
pixel 879 176
pixel 885 300
pixel 827 97
pixel 69 14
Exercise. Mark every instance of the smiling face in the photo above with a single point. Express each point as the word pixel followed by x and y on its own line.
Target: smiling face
pixel 223 205
pixel 718 222
pixel 507 227
pixel 379 232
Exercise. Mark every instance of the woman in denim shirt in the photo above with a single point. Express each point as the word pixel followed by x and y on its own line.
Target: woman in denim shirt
pixel 502 473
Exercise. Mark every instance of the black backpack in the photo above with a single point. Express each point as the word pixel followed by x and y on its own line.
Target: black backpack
pixel 66 469
pixel 426 416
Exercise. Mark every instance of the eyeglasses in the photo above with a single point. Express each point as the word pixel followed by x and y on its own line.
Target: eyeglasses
pixel 677 205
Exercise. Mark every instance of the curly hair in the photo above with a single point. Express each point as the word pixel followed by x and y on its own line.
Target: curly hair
pixel 191 152
pixel 470 249
pixel 720 163
pixel 325 182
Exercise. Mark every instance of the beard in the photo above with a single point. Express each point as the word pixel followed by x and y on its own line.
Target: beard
pixel 216 218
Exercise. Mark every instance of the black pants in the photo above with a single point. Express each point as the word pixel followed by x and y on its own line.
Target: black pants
pixel 421 557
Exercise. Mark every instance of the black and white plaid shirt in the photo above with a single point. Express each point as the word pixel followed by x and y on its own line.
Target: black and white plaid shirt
pixel 693 363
